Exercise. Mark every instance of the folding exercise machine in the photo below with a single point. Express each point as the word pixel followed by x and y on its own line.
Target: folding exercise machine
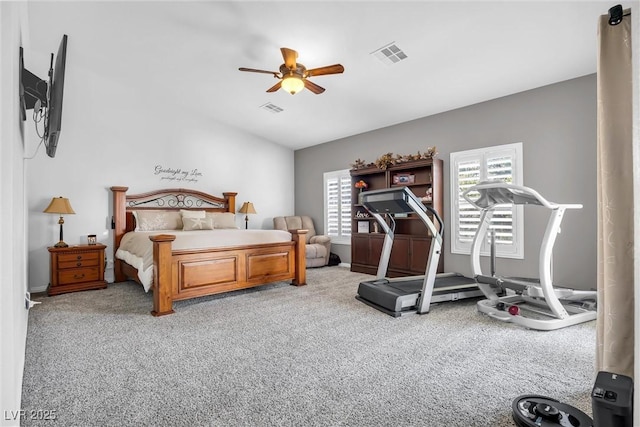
pixel 403 295
pixel 532 303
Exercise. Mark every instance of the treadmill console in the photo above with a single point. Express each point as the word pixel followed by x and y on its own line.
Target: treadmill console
pixel 388 201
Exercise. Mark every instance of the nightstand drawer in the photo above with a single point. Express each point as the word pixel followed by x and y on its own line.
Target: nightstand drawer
pixel 63 265
pixel 79 275
pixel 85 259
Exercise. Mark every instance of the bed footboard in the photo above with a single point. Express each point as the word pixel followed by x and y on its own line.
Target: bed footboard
pixel 193 273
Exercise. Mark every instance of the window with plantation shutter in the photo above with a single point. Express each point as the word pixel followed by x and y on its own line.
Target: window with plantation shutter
pixel 337 206
pixel 502 163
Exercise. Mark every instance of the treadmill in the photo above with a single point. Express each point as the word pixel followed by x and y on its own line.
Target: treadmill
pixel 535 303
pixel 413 294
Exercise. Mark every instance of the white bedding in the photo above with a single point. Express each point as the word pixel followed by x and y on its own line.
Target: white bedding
pixel 136 249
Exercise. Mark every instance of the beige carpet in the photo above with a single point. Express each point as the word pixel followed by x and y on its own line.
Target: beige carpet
pixel 287 356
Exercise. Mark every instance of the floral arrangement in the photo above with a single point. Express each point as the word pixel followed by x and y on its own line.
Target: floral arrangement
pixel 384 161
pixel 358 164
pixel 361 185
pixel 389 159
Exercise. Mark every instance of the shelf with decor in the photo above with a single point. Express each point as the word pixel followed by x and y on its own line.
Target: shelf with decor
pixel 411 245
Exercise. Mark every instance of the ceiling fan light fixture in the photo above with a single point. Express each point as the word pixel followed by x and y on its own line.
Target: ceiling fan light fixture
pixel 292 84
pixel 292 76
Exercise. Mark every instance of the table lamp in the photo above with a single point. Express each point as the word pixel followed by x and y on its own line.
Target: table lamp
pixel 60 206
pixel 247 208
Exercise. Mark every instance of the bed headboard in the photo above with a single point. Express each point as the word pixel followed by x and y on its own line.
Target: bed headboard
pixel 168 199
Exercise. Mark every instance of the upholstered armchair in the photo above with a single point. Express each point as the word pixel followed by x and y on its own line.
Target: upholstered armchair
pixel 318 247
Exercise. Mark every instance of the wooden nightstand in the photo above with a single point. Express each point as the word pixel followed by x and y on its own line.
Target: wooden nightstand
pixel 76 268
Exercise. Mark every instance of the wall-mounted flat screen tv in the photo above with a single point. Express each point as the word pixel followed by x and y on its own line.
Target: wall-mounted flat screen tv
pixel 53 123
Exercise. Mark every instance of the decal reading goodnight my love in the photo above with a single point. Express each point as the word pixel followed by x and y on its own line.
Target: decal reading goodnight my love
pixel 177 174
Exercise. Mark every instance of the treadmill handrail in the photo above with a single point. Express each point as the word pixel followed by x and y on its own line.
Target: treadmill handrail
pixel 496 193
pixel 413 203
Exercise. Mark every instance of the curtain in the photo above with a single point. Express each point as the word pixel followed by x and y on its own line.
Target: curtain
pixel 615 281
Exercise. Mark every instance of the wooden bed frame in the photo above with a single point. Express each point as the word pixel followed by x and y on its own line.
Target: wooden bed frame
pixel 184 274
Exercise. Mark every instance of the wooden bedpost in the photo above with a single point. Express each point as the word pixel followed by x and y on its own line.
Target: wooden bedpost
pixel 119 222
pixel 300 236
pixel 162 274
pixel 231 201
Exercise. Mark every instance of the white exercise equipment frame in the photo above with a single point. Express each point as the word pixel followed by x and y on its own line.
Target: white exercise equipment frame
pixel 558 307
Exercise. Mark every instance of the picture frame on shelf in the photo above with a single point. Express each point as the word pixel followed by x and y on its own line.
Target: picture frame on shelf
pixel 363 226
pixel 404 178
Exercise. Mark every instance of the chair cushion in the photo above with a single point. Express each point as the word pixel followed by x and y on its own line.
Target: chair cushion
pixel 303 222
pixel 315 251
pixel 293 222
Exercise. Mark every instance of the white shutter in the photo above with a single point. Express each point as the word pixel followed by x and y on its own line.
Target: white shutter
pixel 500 168
pixel 468 172
pixel 345 205
pixel 333 207
pixel 337 200
pixel 502 163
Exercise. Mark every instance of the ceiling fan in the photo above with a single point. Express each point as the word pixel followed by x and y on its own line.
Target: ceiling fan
pixel 293 76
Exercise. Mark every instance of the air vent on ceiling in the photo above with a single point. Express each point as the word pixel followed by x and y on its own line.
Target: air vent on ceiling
pixel 271 108
pixel 390 54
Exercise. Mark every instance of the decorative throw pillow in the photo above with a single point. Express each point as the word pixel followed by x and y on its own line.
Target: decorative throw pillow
pixel 154 220
pixel 223 219
pixel 197 224
pixel 192 214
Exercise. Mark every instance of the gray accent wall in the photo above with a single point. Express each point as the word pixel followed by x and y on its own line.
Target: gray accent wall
pixel 557 126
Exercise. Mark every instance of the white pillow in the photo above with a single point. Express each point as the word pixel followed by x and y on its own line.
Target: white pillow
pixel 154 220
pixel 197 224
pixel 223 219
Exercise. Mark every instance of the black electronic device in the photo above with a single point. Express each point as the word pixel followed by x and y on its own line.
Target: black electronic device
pixel 615 15
pixel 540 411
pixel 54 114
pixel 612 400
pixel 32 88
pixel 385 202
pixel 611 404
pixel 45 96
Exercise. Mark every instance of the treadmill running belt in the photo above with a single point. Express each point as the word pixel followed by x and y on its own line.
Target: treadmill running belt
pixel 394 296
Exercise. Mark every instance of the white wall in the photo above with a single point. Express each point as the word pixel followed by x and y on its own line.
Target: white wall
pixel 116 130
pixel 635 62
pixel 13 283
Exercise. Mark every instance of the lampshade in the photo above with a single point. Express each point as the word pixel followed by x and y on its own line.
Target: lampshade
pixel 292 84
pixel 60 206
pixel 247 208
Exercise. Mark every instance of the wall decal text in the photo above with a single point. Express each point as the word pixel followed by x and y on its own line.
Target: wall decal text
pixel 177 174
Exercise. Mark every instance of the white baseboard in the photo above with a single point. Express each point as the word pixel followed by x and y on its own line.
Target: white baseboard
pixel 38 290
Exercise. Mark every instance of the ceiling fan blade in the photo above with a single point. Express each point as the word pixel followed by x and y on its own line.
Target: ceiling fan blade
pixel 290 57
pixel 313 87
pixel 329 69
pixel 275 87
pixel 253 70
